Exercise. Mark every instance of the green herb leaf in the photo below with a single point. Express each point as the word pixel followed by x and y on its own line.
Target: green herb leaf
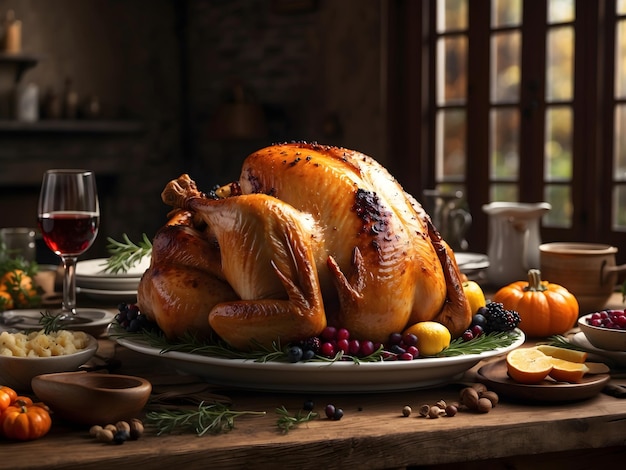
pixel 208 418
pixel 286 421
pixel 483 343
pixel 126 254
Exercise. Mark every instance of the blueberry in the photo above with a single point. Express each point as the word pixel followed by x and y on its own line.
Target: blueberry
pixel 308 354
pixel 294 353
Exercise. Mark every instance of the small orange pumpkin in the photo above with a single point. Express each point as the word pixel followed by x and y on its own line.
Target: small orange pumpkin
pixel 7 397
pixel 25 422
pixel 545 309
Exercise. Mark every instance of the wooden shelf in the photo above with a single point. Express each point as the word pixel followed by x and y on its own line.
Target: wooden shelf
pixel 19 62
pixel 95 126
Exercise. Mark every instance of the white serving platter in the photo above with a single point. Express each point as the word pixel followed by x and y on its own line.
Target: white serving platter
pixel 320 377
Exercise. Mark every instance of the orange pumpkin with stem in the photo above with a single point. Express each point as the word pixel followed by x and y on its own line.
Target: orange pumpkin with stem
pixel 25 421
pixel 545 309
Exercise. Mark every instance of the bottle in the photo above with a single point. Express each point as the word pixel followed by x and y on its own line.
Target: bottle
pixel 12 34
pixel 27 103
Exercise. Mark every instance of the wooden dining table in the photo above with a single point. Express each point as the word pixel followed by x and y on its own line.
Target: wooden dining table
pixel 372 434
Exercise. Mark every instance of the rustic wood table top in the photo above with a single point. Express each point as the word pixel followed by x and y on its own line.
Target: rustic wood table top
pixel 372 433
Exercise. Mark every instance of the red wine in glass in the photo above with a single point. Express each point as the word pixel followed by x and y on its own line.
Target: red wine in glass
pixel 69 233
pixel 69 215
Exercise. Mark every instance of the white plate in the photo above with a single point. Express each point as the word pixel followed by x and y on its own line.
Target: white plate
pixel 618 358
pixel 469 262
pixel 107 283
pixel 28 319
pixel 336 377
pixel 96 268
pixel 109 295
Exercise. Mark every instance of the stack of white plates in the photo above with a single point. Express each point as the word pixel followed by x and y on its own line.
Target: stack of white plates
pixel 93 280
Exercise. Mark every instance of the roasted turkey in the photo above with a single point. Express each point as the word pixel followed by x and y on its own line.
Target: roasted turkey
pixel 309 236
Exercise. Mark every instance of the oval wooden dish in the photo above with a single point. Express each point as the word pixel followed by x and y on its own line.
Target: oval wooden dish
pixel 93 398
pixel 494 375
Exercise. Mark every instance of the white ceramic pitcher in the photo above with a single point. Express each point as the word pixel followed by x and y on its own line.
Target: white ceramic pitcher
pixel 514 239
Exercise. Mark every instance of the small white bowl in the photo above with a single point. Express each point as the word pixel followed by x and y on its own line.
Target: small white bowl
pixel 603 338
pixel 17 372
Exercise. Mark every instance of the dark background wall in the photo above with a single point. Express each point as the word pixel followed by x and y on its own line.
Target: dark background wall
pixel 162 69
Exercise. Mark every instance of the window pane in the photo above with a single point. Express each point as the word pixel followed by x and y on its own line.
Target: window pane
pixel 504 192
pixel 560 11
pixel 505 67
pixel 621 7
pixel 452 70
pixel 451 154
pixel 451 15
pixel 561 213
pixel 619 208
pixel 619 156
pixel 560 64
pixel 506 13
pixel 620 60
pixel 504 145
pixel 558 147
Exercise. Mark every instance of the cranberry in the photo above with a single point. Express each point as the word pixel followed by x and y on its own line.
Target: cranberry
pixel 327 350
pixel 407 356
pixel 343 345
pixel 409 339
pixel 367 348
pixel 342 333
pixel 354 347
pixel 395 338
pixel 468 335
pixel 413 351
pixel 329 333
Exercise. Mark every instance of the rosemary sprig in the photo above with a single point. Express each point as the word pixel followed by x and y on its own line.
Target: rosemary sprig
pixel 562 342
pixel 286 421
pixel 208 418
pixel 126 254
pixel 482 343
pixel 50 322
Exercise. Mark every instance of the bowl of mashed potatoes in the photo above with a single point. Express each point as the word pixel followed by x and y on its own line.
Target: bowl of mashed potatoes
pixel 24 355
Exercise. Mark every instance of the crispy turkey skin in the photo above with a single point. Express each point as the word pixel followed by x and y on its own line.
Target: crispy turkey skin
pixel 309 235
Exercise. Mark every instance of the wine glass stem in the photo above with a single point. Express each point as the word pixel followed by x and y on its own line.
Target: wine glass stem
pixel 69 284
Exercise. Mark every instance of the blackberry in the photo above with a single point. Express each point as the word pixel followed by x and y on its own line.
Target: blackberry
pixel 311 344
pixel 500 319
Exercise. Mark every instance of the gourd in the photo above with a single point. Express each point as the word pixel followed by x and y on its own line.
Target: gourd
pixel 7 396
pixel 25 421
pixel 545 308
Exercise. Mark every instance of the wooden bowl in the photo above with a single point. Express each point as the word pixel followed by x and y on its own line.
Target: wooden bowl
pixel 93 398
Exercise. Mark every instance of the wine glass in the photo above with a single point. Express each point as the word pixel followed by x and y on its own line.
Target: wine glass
pixel 69 216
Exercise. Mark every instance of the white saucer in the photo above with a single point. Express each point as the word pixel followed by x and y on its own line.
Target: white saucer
pixel 97 268
pixel 470 262
pixel 109 295
pixel 28 319
pixel 107 283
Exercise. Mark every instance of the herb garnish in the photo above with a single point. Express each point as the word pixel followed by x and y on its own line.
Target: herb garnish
pixel 211 418
pixel 480 344
pixel 286 421
pixel 126 254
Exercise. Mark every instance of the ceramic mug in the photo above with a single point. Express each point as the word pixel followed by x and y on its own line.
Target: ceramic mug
pixel 587 270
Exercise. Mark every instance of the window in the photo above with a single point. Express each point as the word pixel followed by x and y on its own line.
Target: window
pixel 514 100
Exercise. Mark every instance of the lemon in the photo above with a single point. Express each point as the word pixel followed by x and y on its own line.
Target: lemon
pixel 475 295
pixel 432 337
